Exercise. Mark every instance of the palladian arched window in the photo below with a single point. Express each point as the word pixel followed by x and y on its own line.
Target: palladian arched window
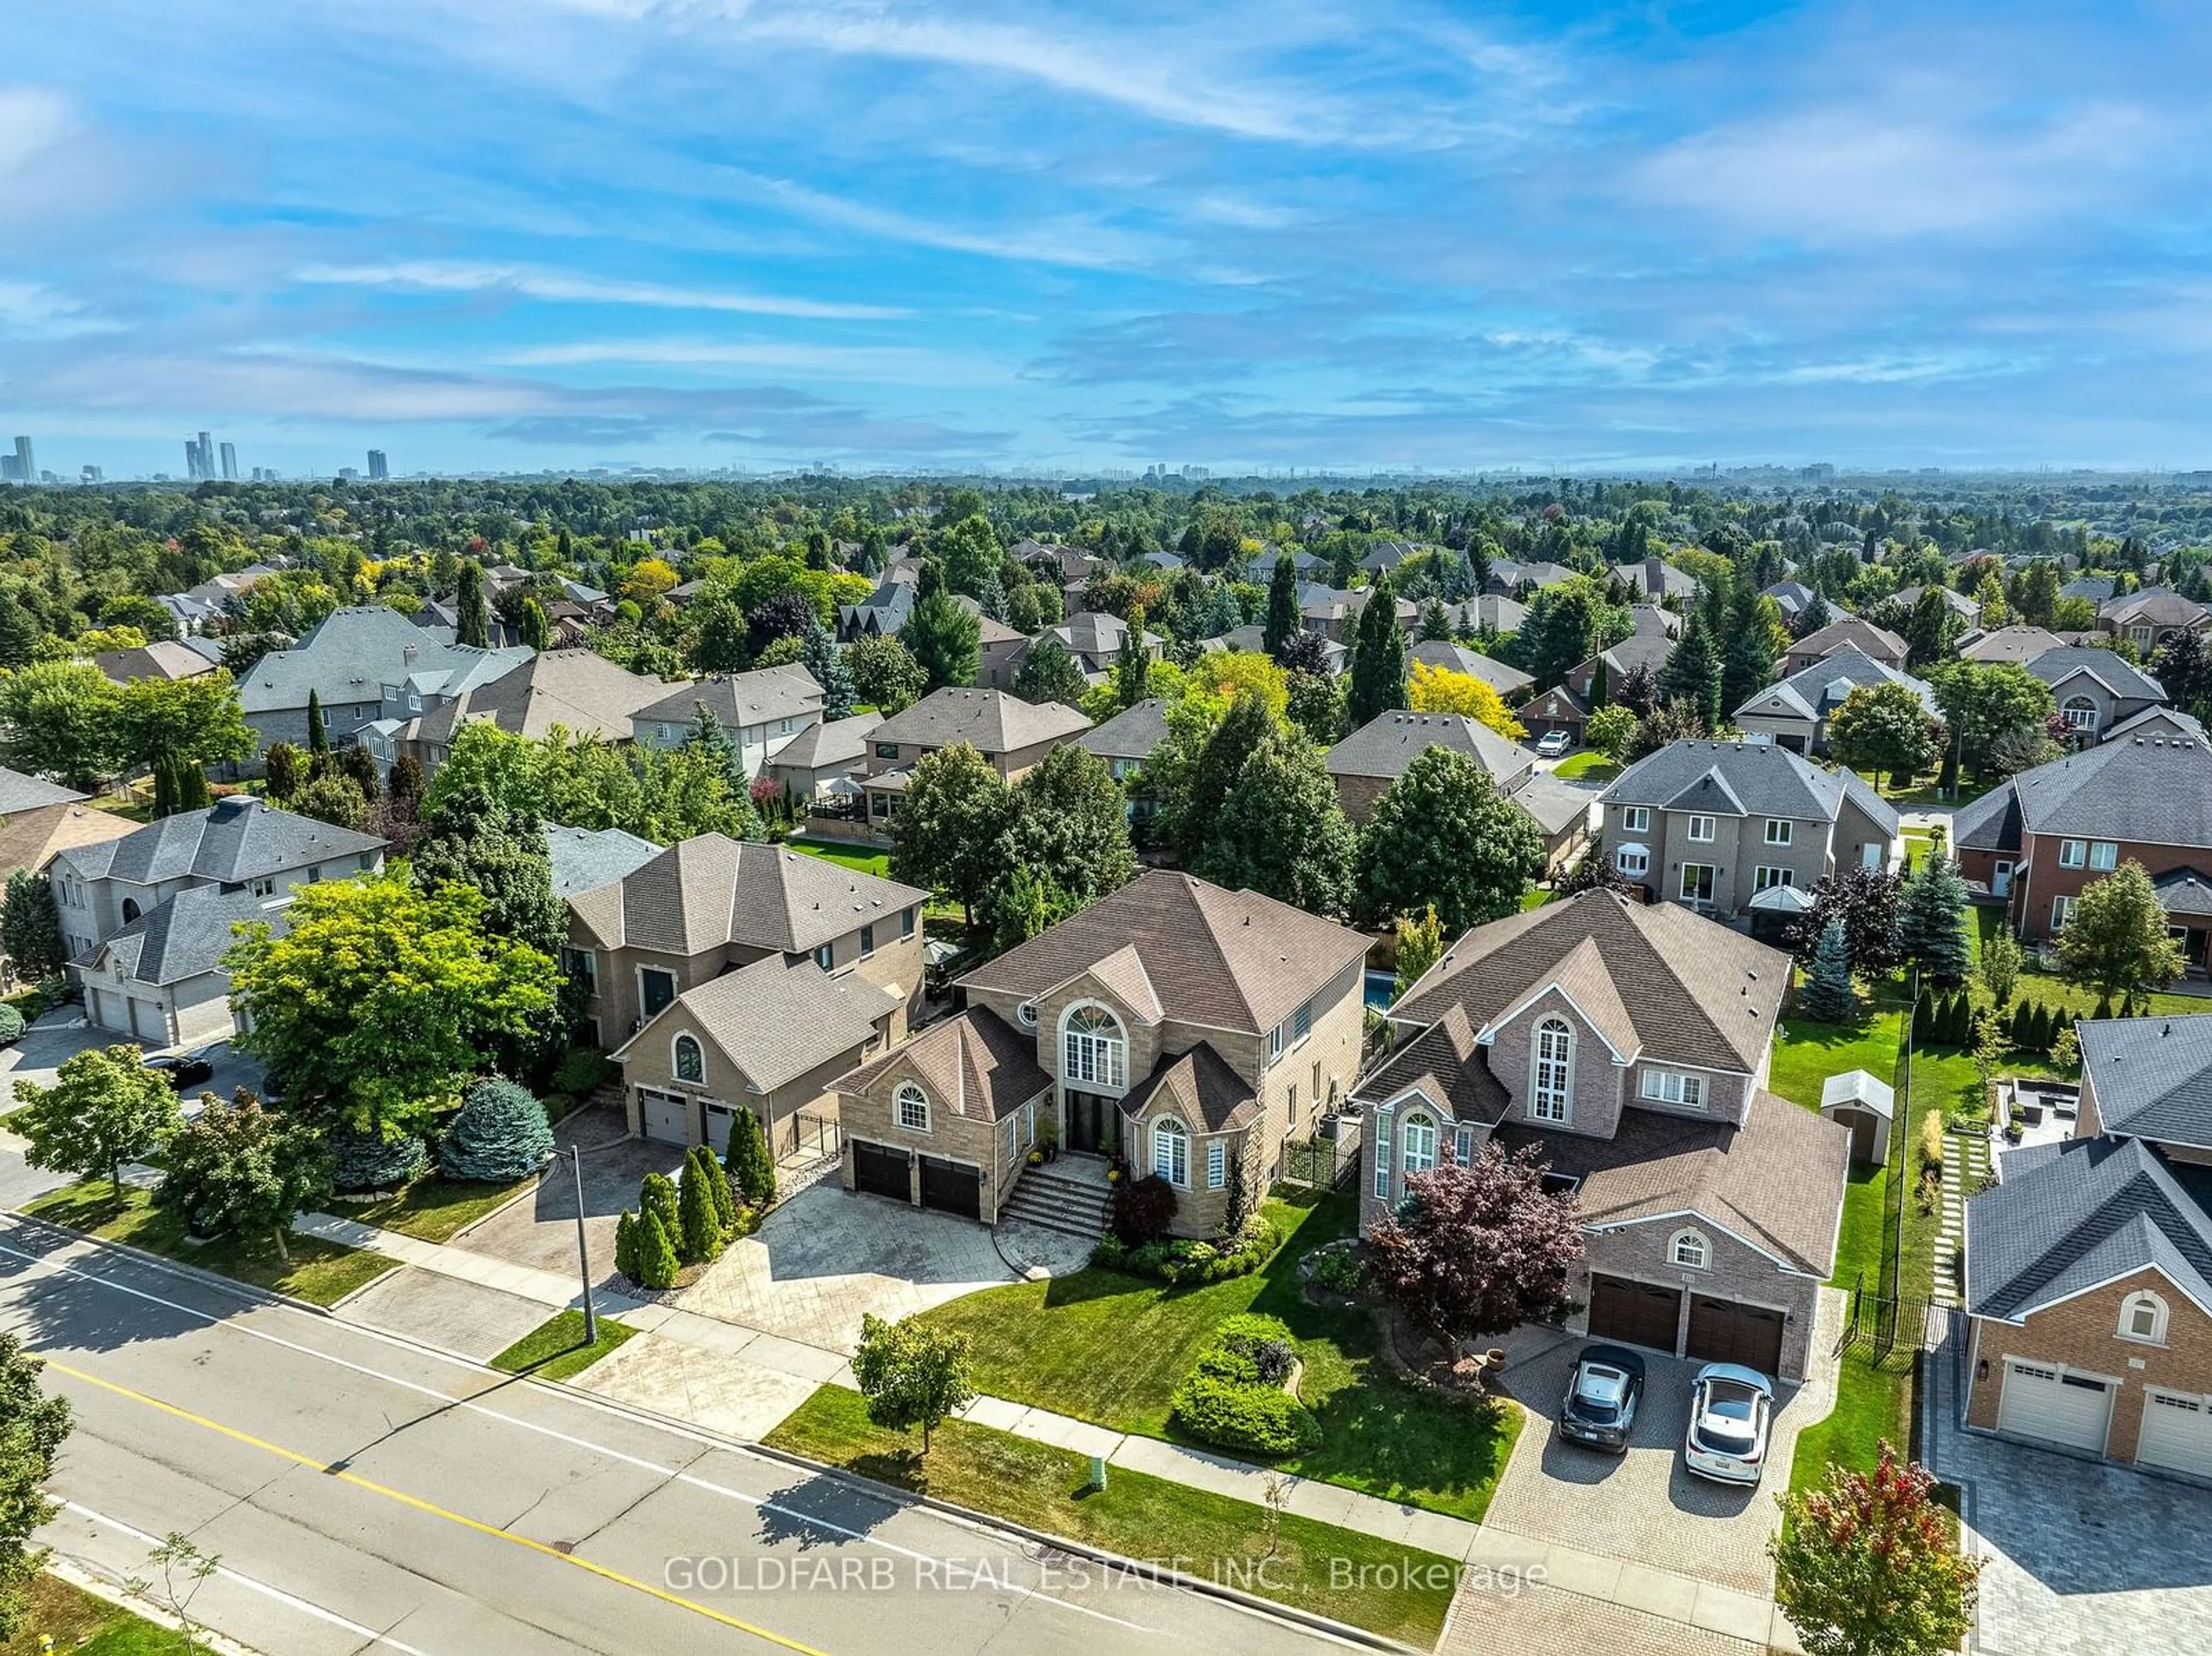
pixel 1417 1143
pixel 1554 1070
pixel 1094 1051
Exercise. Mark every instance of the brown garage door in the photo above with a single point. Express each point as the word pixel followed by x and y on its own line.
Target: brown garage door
pixel 1721 1330
pixel 1642 1313
pixel 881 1172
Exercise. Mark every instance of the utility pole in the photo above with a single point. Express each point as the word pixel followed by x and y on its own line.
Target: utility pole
pixel 583 1248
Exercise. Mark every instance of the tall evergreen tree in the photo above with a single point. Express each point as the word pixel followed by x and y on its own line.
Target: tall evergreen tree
pixel 1282 604
pixel 1828 996
pixel 1378 659
pixel 318 735
pixel 825 663
pixel 941 636
pixel 1747 654
pixel 472 622
pixel 1931 922
pixel 1133 668
pixel 1692 678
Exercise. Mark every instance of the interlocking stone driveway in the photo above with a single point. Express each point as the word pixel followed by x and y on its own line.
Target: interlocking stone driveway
pixel 2084 1558
pixel 826 1257
pixel 1642 1507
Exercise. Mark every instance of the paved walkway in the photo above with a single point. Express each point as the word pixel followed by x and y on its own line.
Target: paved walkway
pixel 1966 1164
pixel 743 1381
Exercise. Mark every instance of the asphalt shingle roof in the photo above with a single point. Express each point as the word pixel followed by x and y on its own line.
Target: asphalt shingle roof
pixel 738 700
pixel 990 721
pixel 1745 779
pixel 20 791
pixel 1199 1087
pixel 2152 790
pixel 2018 643
pixel 185 936
pixel 1132 733
pixel 1389 743
pixel 973 1064
pixel 233 840
pixel 585 860
pixel 836 742
pixel 1814 692
pixel 2119 675
pixel 775 1021
pixel 1229 959
pixel 580 690
pixel 710 891
pixel 353 654
pixel 2152 1076
pixel 1502 677
pixel 1854 630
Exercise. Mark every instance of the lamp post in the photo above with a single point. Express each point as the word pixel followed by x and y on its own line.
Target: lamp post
pixel 583 1248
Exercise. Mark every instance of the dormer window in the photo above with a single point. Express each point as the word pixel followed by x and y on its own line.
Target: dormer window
pixel 2142 1318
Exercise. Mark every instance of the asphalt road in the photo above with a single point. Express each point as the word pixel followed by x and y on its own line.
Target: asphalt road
pixel 365 1495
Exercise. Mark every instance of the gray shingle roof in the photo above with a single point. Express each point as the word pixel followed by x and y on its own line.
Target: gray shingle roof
pixel 580 690
pixel 2121 677
pixel 1818 690
pixel 1132 733
pixel 834 741
pixel 1862 635
pixel 185 936
pixel 2153 789
pixel 353 654
pixel 1230 960
pixel 990 721
pixel 737 700
pixel 1689 990
pixel 2152 1076
pixel 1458 658
pixel 233 840
pixel 710 891
pixel 1554 805
pixel 2074 1215
pixel 21 792
pixel 2020 644
pixel 775 1021
pixel 585 860
pixel 1740 779
pixel 1389 743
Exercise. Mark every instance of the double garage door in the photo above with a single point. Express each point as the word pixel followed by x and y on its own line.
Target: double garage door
pixel 1721 1330
pixel 946 1186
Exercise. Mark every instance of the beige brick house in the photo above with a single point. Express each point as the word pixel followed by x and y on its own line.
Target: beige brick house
pixel 1190 1029
pixel 1366 763
pixel 1012 734
pixel 710 904
pixel 1630 1045
pixel 2089 1264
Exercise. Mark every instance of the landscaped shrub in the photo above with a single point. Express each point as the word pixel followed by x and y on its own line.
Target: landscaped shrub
pixel 1233 1398
pixel 1338 1271
pixel 1142 1210
pixel 11 1023
pixel 499 1136
pixel 1186 1260
pixel 700 1233
pixel 626 1245
pixel 657 1262
pixel 750 1166
pixel 656 1198
pixel 362 1162
pixel 701 1165
pixel 581 1071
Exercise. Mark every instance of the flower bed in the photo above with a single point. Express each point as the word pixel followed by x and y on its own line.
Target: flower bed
pixel 1182 1260
pixel 1239 1396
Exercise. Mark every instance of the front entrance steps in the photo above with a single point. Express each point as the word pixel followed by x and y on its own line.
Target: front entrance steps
pixel 1068 1196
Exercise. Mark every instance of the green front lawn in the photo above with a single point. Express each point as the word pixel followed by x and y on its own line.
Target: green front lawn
pixel 1313 1567
pixel 319 1271
pixel 555 1349
pixel 80 1623
pixel 1589 766
pixel 435 1209
pixel 1110 1348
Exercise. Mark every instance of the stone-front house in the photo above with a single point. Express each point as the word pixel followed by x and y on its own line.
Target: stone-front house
pixel 2095 689
pixel 771 1037
pixel 946 1121
pixel 1717 826
pixel 1630 1045
pixel 2152 617
pixel 1794 712
pixel 759 712
pixel 1368 761
pixel 710 904
pixel 2089 1266
pixel 1849 632
pixel 1191 1029
pixel 2038 839
pixel 1012 734
pixel 236 844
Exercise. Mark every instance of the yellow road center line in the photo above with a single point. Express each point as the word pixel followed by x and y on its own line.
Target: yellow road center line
pixel 334 1469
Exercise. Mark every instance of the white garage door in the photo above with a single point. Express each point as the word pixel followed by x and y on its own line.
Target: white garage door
pixel 2070 1410
pixel 667 1117
pixel 2177 1432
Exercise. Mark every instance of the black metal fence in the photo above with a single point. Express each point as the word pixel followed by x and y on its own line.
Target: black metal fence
pixel 1884 1327
pixel 1321 1163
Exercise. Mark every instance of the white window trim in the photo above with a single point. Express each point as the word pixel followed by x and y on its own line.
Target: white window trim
pixel 676 1060
pixel 1672 1087
pixel 1110 1076
pixel 1690 1240
pixel 1632 862
pixel 1169 1136
pixel 1690 829
pixel 2104 855
pixel 1422 1123
pixel 1787 828
pixel 2128 1307
pixel 2061 910
pixel 904 1093
pixel 1217 1166
pixel 2072 853
pixel 1761 882
pixel 1682 885
pixel 1536 1061
pixel 1635 819
pixel 1383 1153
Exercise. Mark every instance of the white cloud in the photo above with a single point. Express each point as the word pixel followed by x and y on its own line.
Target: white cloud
pixel 34 120
pixel 29 310
pixel 429 276
pixel 881 363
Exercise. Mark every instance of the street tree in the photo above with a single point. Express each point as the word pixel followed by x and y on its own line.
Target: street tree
pixel 240 1169
pixel 1864 1564
pixel 912 1373
pixel 1443 838
pixel 2115 940
pixel 1478 1249
pixel 32 1427
pixel 104 1109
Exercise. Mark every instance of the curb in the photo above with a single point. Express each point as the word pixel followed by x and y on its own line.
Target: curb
pixel 214 1279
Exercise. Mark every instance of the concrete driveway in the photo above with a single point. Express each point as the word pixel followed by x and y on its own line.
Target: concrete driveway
pixel 1642 1507
pixel 540 1230
pixel 826 1257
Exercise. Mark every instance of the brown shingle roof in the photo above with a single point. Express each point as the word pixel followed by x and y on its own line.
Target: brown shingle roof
pixel 1447 1066
pixel 737 700
pixel 1202 1089
pixel 1777 1181
pixel 775 1021
pixel 974 1065
pixel 1228 959
pixel 580 690
pixel 990 721
pixel 1688 989
pixel 709 891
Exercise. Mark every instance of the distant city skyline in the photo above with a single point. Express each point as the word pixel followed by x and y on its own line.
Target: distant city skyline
pixel 959 235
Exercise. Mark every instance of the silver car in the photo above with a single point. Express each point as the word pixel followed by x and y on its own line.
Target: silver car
pixel 1731 1410
pixel 1599 1407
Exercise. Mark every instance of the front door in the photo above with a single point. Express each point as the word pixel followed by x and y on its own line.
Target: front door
pixel 2001 879
pixel 1093 1124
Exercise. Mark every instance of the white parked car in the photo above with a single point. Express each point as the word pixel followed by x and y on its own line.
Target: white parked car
pixel 1731 1410
pixel 1553 744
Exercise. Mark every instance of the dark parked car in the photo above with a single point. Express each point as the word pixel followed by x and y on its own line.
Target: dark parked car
pixel 185 1068
pixel 1600 1409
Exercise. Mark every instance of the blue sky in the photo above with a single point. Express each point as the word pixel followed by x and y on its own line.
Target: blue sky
pixel 565 232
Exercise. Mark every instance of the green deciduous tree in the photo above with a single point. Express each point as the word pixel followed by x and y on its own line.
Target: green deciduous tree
pixel 281 773
pixel 1066 835
pixel 332 798
pixel 472 838
pixel 1865 1566
pixel 1885 728
pixel 105 1109
pixel 32 1427
pixel 1281 830
pixel 2000 965
pixel 239 1167
pixel 2115 941
pixel 196 722
pixel 885 674
pixel 945 834
pixel 1610 731
pixel 61 721
pixel 378 999
pixel 1444 839
pixel 1420 946
pixel 1193 769
pixel 912 1373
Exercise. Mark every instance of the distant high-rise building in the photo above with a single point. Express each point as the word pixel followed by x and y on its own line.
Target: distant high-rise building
pixel 347 475
pixel 191 461
pixel 230 462
pixel 92 475
pixel 26 468
pixel 8 470
pixel 203 459
pixel 377 469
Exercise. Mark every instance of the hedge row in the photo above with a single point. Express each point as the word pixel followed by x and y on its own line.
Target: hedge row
pixel 1186 1260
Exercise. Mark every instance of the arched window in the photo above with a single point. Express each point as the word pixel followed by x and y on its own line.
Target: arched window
pixel 2080 714
pixel 1554 1071
pixel 912 1105
pixel 690 1059
pixel 1171 1151
pixel 1690 1250
pixel 130 910
pixel 2142 1317
pixel 1417 1143
pixel 1094 1053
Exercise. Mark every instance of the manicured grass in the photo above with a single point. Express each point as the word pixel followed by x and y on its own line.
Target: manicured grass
pixel 1806 1053
pixel 85 1625
pixel 1872 1404
pixel 320 1271
pixel 1587 766
pixel 1139 1517
pixel 1110 1348
pixel 435 1208
pixel 555 1349
pixel 878 863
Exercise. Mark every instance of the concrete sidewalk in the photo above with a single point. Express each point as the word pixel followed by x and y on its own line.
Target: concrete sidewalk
pixel 741 1380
